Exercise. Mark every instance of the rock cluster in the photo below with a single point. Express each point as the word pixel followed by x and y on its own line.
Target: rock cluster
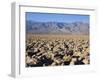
pixel 42 52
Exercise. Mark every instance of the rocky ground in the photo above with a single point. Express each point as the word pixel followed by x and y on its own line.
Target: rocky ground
pixel 56 51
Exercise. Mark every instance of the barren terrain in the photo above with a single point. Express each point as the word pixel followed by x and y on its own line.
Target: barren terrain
pixel 56 50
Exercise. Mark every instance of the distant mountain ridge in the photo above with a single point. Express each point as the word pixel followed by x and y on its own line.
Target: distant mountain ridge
pixel 57 27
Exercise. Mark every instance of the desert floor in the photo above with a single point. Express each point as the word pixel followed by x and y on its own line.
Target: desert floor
pixel 57 50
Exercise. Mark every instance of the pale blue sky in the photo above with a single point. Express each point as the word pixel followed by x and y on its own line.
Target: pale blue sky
pixel 52 17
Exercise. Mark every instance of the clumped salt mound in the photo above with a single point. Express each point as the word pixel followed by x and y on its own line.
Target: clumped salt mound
pixel 43 52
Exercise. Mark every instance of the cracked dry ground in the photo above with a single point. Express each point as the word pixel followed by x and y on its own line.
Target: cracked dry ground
pixel 56 50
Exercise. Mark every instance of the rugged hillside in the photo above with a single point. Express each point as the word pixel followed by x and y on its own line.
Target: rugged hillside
pixel 57 27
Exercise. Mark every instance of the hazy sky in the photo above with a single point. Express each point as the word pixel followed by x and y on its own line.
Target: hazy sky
pixel 52 17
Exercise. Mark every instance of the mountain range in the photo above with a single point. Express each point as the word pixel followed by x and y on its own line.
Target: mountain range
pixel 57 27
